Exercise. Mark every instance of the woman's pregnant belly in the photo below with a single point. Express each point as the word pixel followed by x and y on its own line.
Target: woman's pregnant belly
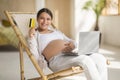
pixel 54 48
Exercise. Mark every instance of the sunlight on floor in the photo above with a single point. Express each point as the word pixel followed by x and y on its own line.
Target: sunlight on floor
pixel 115 64
pixel 106 51
pixel 112 54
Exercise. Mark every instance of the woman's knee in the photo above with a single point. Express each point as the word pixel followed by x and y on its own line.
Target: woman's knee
pixel 98 58
pixel 87 62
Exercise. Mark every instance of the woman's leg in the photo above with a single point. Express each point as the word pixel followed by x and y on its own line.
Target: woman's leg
pixel 101 64
pixel 64 62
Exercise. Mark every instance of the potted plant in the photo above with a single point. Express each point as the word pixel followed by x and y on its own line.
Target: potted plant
pixel 97 7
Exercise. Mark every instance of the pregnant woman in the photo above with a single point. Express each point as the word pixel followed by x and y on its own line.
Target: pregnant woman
pixel 48 46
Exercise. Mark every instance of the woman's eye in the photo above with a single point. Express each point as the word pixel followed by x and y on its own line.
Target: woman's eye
pixel 42 18
pixel 48 19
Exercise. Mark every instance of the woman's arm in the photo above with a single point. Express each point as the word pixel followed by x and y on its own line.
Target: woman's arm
pixel 33 46
pixel 33 43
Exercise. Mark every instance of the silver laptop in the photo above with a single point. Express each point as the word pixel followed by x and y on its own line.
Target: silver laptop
pixel 88 42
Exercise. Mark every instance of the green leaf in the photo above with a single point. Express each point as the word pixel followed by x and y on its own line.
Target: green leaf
pixel 87 5
pixel 96 7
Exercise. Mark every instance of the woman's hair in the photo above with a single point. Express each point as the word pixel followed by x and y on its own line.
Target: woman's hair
pixel 44 10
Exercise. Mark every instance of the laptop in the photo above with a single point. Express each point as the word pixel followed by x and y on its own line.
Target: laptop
pixel 88 43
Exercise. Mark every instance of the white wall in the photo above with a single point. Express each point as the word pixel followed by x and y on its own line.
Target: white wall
pixel 39 4
pixel 84 20
pixel 110 28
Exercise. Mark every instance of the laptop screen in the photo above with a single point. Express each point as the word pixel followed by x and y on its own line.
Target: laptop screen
pixel 88 42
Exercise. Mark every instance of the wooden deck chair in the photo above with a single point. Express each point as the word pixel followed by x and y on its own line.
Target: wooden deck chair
pixel 21 31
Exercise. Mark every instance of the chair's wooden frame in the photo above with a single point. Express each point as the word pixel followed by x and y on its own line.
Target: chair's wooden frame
pixel 23 45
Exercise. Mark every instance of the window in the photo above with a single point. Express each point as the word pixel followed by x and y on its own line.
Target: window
pixel 112 7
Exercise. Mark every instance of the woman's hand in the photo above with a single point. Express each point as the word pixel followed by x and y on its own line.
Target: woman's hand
pixel 69 47
pixel 31 32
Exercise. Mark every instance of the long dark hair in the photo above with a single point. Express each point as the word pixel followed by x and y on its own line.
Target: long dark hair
pixel 44 10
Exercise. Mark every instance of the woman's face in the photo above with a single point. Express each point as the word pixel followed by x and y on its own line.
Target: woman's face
pixel 44 20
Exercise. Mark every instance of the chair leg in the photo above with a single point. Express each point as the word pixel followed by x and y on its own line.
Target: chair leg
pixel 21 61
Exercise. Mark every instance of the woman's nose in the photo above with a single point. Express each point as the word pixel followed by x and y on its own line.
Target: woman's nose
pixel 45 21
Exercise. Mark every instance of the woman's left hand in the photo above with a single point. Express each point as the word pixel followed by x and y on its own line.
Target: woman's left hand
pixel 69 47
